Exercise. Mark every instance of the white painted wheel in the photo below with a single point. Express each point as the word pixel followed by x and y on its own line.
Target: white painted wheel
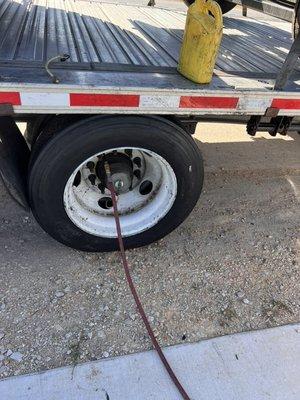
pixel 146 189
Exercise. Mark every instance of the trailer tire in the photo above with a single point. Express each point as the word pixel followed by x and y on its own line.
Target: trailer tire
pixel 35 127
pixel 155 137
pixel 49 129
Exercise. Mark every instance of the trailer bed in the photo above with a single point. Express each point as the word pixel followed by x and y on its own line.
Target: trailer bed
pixel 130 53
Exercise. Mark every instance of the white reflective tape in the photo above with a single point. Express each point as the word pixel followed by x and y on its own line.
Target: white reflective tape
pixel 45 99
pixel 258 104
pixel 159 101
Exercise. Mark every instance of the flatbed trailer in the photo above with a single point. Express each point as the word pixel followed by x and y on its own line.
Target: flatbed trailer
pixel 73 67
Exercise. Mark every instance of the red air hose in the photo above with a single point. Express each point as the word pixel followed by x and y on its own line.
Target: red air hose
pixel 134 292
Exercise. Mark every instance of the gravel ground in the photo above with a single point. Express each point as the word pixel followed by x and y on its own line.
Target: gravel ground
pixel 232 266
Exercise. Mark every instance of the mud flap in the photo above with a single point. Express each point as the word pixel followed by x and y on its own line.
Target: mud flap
pixel 14 158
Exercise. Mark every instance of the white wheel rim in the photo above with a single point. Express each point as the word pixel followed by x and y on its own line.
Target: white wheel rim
pixel 138 209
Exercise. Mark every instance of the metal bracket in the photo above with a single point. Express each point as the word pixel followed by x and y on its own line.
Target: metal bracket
pixel 61 58
pixel 267 7
pixel 277 124
pixel 288 65
pixel 271 112
pixel 281 125
pixel 253 124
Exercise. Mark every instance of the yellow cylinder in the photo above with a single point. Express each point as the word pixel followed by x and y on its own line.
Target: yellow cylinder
pixel 201 41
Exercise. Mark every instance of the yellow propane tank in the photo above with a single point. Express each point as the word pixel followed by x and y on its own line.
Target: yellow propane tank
pixel 201 41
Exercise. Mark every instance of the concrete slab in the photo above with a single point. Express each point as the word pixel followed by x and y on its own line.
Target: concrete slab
pixel 259 365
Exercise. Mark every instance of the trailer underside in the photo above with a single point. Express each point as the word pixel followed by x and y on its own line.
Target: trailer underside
pixel 123 58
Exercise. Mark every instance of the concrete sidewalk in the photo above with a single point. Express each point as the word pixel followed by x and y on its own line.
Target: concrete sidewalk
pixel 259 365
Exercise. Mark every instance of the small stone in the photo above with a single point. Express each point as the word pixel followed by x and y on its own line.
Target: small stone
pixel 2 334
pixel 67 289
pixel 3 369
pixel 155 332
pixel 16 356
pixel 59 294
pixel 105 354
pixel 246 301
pixel 2 357
pixel 101 335
pixel 68 335
pixel 90 335
pixel 2 306
pixel 8 353
pixel 269 313
pixel 240 294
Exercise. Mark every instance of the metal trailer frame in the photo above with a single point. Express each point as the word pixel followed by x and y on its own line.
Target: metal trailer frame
pixel 273 8
pixel 124 62
pixel 148 83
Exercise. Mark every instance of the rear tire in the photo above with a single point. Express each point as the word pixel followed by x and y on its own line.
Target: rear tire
pixel 68 150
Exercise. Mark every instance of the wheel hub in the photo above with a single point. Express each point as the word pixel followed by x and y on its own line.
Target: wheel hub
pixel 145 183
pixel 121 171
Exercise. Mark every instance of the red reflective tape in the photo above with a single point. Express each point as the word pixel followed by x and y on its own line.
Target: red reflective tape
pixel 286 104
pixel 104 100
pixel 12 98
pixel 208 102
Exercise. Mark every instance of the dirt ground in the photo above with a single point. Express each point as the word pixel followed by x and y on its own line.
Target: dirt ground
pixel 232 266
